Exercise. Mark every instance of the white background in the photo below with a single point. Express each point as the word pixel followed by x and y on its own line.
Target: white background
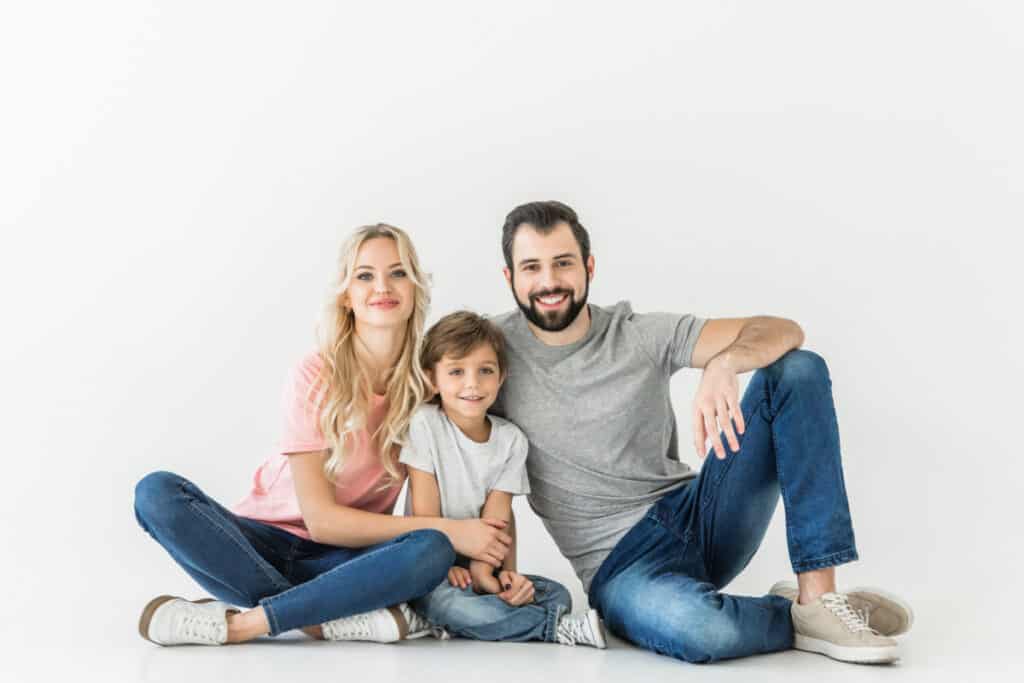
pixel 176 178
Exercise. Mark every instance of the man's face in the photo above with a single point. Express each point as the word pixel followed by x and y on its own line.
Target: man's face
pixel 549 279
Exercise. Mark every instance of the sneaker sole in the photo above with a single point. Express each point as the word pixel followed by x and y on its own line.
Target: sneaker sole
pixel 150 609
pixel 842 653
pixel 892 598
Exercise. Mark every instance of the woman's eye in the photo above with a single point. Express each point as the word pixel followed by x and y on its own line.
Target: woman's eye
pixel 398 273
pixel 365 277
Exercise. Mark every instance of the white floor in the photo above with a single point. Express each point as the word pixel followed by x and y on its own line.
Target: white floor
pixel 944 645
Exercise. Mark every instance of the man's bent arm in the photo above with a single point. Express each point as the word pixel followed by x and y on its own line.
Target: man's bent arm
pixel 745 344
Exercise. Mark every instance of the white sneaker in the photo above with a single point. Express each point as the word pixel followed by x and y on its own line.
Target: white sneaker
pixel 385 625
pixel 584 629
pixel 168 620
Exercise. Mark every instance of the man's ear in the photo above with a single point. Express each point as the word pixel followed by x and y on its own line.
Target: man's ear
pixel 508 275
pixel 590 268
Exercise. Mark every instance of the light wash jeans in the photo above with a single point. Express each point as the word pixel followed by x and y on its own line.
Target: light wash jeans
pixel 297 581
pixel 660 586
pixel 463 613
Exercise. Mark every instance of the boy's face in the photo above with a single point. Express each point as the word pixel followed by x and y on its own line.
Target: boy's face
pixel 548 277
pixel 468 385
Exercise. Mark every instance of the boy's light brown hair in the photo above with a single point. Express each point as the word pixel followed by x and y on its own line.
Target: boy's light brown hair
pixel 456 335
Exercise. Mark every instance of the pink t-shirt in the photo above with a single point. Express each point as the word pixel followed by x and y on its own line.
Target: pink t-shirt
pixel 273 500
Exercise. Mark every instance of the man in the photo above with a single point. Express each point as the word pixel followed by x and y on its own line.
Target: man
pixel 653 542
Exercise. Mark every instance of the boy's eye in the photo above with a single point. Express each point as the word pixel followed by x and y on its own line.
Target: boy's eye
pixel 455 371
pixel 487 371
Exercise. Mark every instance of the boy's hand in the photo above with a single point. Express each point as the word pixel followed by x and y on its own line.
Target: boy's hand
pixel 516 588
pixel 483 580
pixel 459 577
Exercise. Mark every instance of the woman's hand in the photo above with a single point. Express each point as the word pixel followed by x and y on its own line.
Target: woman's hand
pixel 459 577
pixel 480 539
pixel 483 578
pixel 517 589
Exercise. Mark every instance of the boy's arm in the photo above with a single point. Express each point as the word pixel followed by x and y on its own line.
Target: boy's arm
pixel 499 506
pixel 426 496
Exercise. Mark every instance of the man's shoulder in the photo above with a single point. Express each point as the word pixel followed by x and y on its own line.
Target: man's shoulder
pixel 505 321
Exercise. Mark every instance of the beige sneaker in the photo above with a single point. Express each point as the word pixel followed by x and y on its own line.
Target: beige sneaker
pixel 832 627
pixel 886 613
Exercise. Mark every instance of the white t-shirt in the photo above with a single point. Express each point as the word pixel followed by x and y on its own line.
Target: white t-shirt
pixel 466 471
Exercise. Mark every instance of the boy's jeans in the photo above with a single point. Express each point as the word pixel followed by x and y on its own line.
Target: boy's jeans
pixel 298 582
pixel 659 587
pixel 463 613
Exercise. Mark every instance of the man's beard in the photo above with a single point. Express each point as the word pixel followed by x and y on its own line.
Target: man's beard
pixel 552 321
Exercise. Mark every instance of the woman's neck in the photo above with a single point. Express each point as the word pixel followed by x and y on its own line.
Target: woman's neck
pixel 379 348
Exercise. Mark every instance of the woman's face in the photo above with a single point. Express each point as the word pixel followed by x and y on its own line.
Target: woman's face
pixel 380 292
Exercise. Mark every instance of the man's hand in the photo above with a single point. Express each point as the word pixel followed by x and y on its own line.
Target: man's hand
pixel 483 577
pixel 715 406
pixel 459 577
pixel 517 589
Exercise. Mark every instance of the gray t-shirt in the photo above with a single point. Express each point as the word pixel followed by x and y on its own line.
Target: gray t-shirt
pixel 466 471
pixel 599 419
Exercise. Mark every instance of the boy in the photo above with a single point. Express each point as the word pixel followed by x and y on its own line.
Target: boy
pixel 464 463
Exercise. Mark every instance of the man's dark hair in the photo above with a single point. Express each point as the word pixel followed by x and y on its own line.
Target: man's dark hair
pixel 543 216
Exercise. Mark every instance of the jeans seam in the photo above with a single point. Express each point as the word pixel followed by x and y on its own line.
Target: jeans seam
pixel 196 507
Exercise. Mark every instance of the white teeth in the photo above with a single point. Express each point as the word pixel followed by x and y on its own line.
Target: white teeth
pixel 552 299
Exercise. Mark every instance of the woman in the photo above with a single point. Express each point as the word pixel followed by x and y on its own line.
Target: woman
pixel 314 545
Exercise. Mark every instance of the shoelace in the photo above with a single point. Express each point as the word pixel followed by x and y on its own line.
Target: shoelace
pixel 200 625
pixel 571 631
pixel 853 620
pixel 354 627
pixel 420 627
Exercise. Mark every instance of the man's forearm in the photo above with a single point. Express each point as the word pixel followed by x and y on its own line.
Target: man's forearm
pixel 760 342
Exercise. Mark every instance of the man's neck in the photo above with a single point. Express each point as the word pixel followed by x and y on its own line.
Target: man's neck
pixel 577 330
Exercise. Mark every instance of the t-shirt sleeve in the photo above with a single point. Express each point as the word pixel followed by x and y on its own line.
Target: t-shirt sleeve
pixel 512 478
pixel 669 337
pixel 301 429
pixel 417 451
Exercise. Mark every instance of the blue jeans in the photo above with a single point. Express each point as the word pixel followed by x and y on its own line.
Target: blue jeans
pixel 463 613
pixel 659 587
pixel 297 582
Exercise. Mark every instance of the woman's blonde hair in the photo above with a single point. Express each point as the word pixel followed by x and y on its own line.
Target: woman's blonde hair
pixel 343 389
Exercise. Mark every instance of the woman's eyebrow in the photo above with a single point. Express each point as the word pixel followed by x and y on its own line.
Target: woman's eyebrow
pixel 369 267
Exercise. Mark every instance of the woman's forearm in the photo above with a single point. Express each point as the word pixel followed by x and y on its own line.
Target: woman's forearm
pixel 353 528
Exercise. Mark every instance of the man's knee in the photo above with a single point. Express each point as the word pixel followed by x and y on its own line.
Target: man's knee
pixel 798 367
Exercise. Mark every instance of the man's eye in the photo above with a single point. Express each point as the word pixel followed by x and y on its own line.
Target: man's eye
pixel 564 264
pixel 531 267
